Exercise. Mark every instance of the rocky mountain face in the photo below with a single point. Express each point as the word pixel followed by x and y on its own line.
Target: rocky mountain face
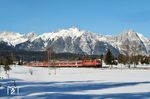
pixel 6 46
pixel 74 40
pixel 132 42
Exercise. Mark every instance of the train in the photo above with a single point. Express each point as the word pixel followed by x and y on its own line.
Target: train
pixel 67 63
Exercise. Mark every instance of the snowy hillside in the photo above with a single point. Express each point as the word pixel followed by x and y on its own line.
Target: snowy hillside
pixel 71 32
pixel 76 83
pixel 131 39
pixel 74 40
pixel 145 41
pixel 15 38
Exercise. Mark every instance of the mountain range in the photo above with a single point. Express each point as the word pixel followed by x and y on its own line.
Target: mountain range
pixel 74 40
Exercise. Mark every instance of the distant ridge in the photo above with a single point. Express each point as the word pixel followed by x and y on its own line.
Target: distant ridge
pixel 74 40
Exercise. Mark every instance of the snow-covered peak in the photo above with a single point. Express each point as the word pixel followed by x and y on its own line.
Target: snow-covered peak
pixel 72 32
pixel 145 41
pixel 74 29
pixel 31 36
pixel 8 34
pixel 128 34
pixel 130 31
pixel 12 37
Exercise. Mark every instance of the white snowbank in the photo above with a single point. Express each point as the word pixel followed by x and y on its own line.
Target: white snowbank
pixel 85 83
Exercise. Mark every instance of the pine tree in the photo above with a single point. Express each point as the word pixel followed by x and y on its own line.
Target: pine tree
pixel 6 62
pixel 6 67
pixel 109 58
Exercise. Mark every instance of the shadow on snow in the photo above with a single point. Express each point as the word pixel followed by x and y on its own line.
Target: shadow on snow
pixel 58 89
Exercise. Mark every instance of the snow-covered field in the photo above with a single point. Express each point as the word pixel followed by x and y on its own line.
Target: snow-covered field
pixel 76 83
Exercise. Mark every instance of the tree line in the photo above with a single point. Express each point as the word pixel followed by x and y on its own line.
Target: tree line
pixel 109 59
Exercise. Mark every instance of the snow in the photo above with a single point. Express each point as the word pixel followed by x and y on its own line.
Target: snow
pixel 12 37
pixel 31 36
pixel 72 32
pixel 15 38
pixel 85 83
pixel 145 41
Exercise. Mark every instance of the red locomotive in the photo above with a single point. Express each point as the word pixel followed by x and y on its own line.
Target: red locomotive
pixel 67 63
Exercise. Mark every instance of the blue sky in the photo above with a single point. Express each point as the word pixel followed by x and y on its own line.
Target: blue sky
pixel 101 16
